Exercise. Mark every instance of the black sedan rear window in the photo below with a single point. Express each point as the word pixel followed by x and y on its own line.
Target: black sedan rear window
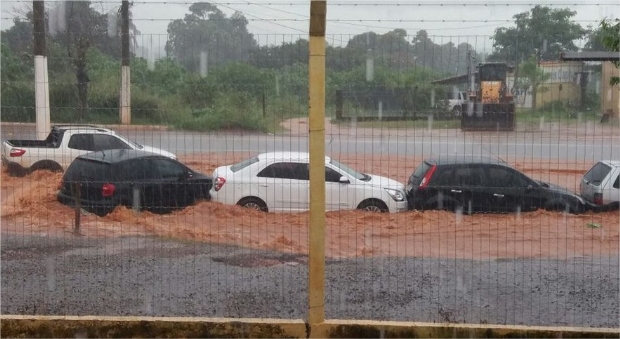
pixel 419 173
pixel 421 170
pixel 82 169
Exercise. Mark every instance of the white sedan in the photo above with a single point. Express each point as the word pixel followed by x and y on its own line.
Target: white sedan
pixel 279 182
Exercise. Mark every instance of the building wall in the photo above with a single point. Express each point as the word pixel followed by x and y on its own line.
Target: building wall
pixel 561 86
pixel 565 92
pixel 609 95
pixel 522 99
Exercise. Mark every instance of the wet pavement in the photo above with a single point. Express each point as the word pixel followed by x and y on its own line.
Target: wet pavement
pixel 157 277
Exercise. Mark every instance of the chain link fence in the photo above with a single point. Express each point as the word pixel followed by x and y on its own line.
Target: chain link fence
pixel 199 206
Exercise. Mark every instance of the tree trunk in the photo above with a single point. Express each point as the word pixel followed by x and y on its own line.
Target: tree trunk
pixel 534 90
pixel 82 78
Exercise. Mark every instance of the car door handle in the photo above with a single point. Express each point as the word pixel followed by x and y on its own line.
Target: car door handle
pixel 498 195
pixel 456 191
pixel 263 185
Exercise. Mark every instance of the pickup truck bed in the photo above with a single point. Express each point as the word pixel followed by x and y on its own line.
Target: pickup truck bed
pixel 31 143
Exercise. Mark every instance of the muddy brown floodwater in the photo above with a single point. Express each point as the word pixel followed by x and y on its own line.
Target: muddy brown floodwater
pixel 29 206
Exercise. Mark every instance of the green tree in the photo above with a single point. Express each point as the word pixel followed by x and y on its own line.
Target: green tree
pixel 611 41
pixel 532 78
pixel 84 28
pixel 14 68
pixel 548 31
pixel 207 29
pixel 445 58
pixel 594 40
pixel 286 54
pixel 17 90
pixel 84 24
pixel 82 18
pixel 19 37
pixel 390 50
pixel 167 76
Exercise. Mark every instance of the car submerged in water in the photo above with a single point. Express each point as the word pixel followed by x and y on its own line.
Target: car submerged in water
pixel 107 179
pixel 601 185
pixel 482 184
pixel 279 182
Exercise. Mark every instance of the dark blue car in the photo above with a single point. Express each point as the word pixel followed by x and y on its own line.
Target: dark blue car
pixel 106 179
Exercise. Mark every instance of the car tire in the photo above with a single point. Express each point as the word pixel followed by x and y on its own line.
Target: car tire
pixel 46 165
pixel 15 170
pixel 373 205
pixel 253 203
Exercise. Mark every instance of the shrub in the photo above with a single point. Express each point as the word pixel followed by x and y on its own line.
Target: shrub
pixel 18 102
pixel 554 106
pixel 232 111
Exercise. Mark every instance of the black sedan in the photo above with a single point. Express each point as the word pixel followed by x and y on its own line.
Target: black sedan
pixel 103 180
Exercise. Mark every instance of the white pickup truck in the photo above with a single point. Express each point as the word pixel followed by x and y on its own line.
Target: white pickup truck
pixel 62 145
pixel 455 102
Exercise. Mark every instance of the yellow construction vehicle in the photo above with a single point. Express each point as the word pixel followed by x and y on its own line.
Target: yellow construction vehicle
pixel 490 104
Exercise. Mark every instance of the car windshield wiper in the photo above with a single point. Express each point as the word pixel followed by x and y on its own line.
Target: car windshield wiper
pixel 135 144
pixel 366 177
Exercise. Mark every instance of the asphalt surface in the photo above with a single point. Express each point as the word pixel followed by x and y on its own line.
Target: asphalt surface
pixel 156 277
pixel 552 144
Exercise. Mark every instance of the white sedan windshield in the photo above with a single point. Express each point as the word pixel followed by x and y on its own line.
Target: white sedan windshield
pixel 357 175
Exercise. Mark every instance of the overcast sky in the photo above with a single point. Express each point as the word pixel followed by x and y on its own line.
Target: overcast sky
pixel 275 20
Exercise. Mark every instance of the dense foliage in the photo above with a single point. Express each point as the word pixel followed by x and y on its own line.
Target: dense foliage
pixel 610 38
pixel 244 85
pixel 542 30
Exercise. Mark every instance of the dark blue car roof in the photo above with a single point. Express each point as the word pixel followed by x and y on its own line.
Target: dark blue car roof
pixel 117 155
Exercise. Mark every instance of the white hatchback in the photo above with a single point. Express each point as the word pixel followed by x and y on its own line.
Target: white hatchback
pixel 279 182
pixel 601 184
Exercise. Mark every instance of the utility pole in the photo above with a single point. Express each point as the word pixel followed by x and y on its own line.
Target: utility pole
pixel 41 81
pixel 125 103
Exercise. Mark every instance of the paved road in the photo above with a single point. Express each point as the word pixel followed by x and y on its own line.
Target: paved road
pixel 155 277
pixel 551 145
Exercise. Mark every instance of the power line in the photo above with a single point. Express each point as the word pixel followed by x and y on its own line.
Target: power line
pixel 261 19
pixel 275 9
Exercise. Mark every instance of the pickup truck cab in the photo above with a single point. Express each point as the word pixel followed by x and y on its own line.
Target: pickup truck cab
pixel 63 145
pixel 456 101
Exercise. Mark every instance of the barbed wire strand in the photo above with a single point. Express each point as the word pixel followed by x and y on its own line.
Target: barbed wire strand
pixel 369 4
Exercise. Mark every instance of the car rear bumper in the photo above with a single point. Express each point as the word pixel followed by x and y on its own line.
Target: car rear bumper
pixel 412 203
pixel 100 207
pixel 224 197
